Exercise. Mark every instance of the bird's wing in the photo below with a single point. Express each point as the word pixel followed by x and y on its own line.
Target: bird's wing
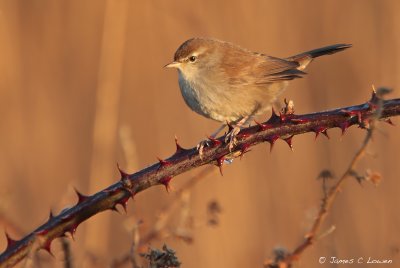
pixel 260 69
pixel 270 69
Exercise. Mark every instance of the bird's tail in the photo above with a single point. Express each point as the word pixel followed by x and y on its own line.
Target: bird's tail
pixel 305 58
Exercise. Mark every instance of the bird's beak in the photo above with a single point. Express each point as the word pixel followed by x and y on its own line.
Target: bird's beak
pixel 174 64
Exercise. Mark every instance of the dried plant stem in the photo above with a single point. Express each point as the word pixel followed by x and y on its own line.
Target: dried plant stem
pixel 161 223
pixel 327 203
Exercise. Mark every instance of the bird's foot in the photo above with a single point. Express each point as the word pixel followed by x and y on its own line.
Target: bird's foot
pixel 200 147
pixel 231 137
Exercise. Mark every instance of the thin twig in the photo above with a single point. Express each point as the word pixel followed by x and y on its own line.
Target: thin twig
pixel 67 252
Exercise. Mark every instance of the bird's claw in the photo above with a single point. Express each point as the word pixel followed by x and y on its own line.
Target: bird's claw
pixel 231 137
pixel 200 147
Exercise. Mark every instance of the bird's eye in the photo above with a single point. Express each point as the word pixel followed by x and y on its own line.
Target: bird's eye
pixel 192 58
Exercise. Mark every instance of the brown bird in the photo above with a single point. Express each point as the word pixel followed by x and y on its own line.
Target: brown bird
pixel 230 84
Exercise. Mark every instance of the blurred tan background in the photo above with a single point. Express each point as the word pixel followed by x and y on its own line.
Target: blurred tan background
pixel 82 87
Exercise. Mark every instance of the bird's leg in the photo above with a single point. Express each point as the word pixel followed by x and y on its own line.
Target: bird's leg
pixel 215 134
pixel 231 136
pixel 205 143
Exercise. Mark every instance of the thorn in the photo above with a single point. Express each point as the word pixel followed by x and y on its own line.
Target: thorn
pixel 389 121
pixel 272 141
pixel 165 181
pixel 220 162
pixel 344 126
pixel 81 197
pixel 274 118
pixel 374 97
pixel 163 163
pixel 46 241
pixel 47 246
pixel 114 208
pixel 124 175
pixel 123 202
pixel 10 242
pixel 319 130
pixel 289 142
pixel 72 231
pixel 244 149
pixel 325 132
pixel 51 216
pixel 179 149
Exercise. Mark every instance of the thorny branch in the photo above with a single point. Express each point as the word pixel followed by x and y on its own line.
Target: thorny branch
pixel 283 126
pixel 286 259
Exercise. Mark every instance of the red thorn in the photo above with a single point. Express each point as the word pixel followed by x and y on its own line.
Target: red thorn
pixel 220 162
pixel 343 126
pixel 165 181
pixel 51 215
pixel 124 175
pixel 214 141
pixel 289 142
pixel 179 148
pixel 47 246
pixel 389 121
pixel 72 231
pixel 10 242
pixel 353 113
pixel 123 202
pixel 47 241
pixel 319 130
pixel 325 132
pixel 81 197
pixel 274 118
pixel 272 141
pixel 163 163
pixel 114 208
pixel 374 97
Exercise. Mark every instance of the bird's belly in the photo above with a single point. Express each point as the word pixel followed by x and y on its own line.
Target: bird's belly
pixel 208 101
pixel 227 104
